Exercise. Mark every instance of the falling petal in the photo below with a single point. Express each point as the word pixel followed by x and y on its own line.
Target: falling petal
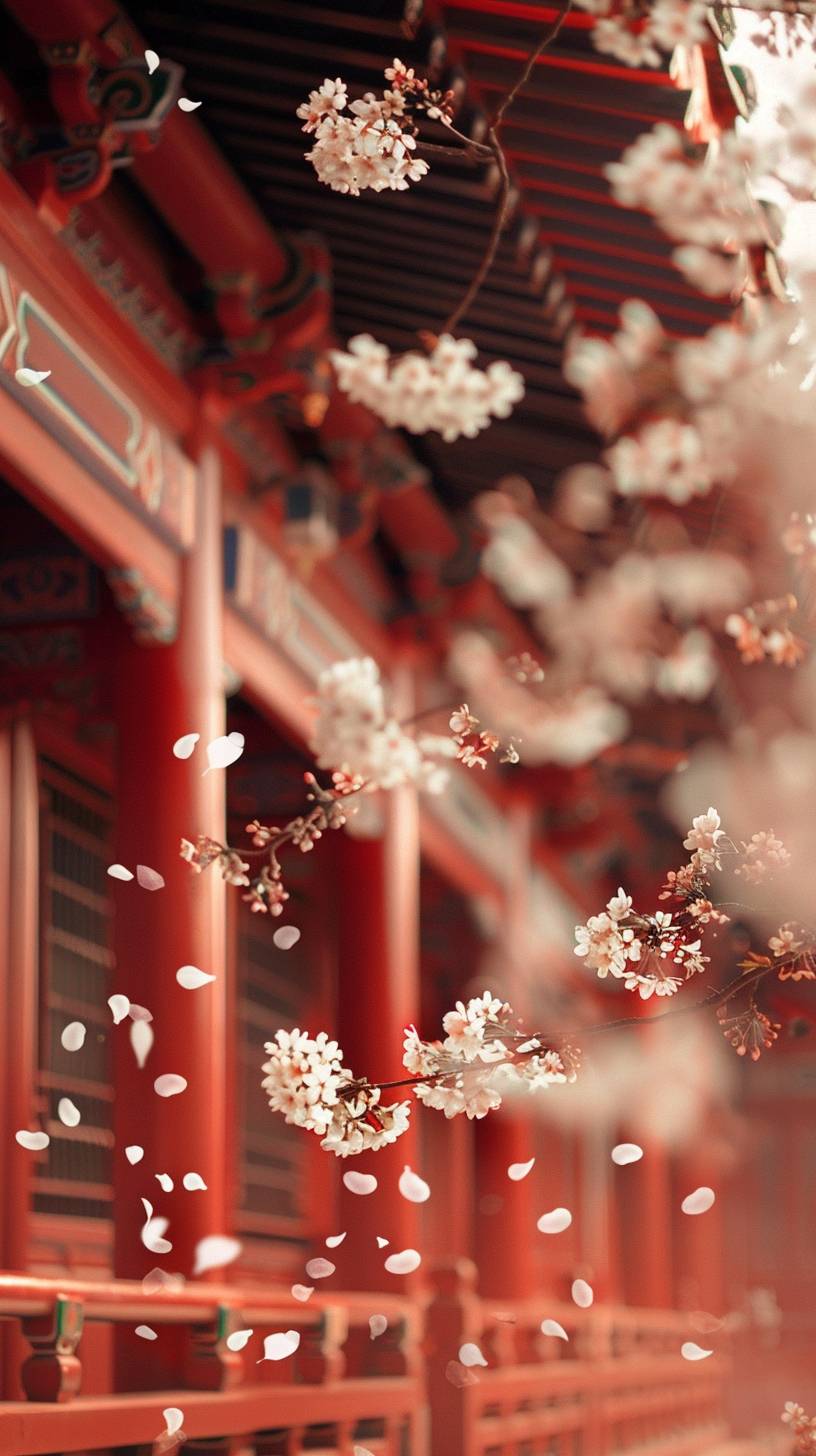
pixel 149 879
pixel 302 1292
pixel 141 1040
pixel 134 1153
pixel 362 1183
pixel 186 105
pixel 194 1183
pixel 377 1324
pixel 29 377
pixel 555 1221
pixel 73 1036
pixel 159 1279
pixel 403 1263
pixel 690 1351
pixel 552 1327
pixel 173 1418
pixel 238 1339
pixel 224 751
pixel 191 978
pixel 280 1346
pixel 184 746
pixel 286 937
pixel 33 1141
pixel 459 1375
pixel 215 1252
pixel 165 1182
pixel 119 872
pixel 139 1013
pixel 470 1354
pixel 319 1268
pixel 361 1451
pixel 382 1243
pixel 145 1332
pixel 153 1231
pixel 412 1187
pixel 334 1241
pixel 582 1293
pixel 170 1084
pixel 120 1007
pixel 700 1201
pixel 152 62
pixel 624 1153
pixel 68 1112
pixel 517 1171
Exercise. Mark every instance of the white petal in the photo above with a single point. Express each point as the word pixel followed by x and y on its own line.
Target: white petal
pixel 700 1201
pixel 362 1183
pixel 690 1351
pixel 170 1084
pixel 165 1182
pixel 139 1013
pixel 286 936
pixel 582 1293
pixel 173 1419
pixel 280 1346
pixel 361 1451
pixel 382 1243
pixel 73 1036
pixel 555 1221
pixel 224 751
pixel 624 1153
pixel 334 1241
pixel 517 1171
pixel 120 1007
pixel 159 1279
pixel 184 746
pixel 470 1354
pixel 377 1324
pixel 238 1339
pixel 149 879
pixel 320 1268
pixel 145 1332
pixel 191 978
pixel 68 1112
pixel 412 1187
pixel 119 872
pixel 33 1141
pixel 28 377
pixel 134 1153
pixel 193 1182
pixel 403 1263
pixel 552 1327
pixel 186 105
pixel 302 1292
pixel 141 1040
pixel 153 1231
pixel 152 62
pixel 215 1252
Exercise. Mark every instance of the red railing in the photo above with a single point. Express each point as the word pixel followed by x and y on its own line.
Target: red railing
pixel 339 1388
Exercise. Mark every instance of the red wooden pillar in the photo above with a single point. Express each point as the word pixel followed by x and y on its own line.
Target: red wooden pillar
pixel 699 1238
pixel 644 1195
pixel 164 692
pixel 378 996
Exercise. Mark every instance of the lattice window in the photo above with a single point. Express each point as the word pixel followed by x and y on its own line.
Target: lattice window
pixel 75 969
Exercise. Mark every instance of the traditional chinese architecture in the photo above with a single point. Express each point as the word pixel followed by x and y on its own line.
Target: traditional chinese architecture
pixel 195 523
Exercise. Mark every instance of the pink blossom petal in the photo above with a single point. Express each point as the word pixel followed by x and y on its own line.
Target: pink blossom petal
pixel 194 1183
pixel 582 1293
pixel 700 1201
pixel 148 878
pixel 552 1327
pixel 302 1292
pixel 184 746
pixel 141 1040
pixel 214 1252
pixel 119 872
pixel 320 1268
pixel 470 1354
pixel 517 1171
pixel 238 1339
pixel 29 377
pixel 139 1013
pixel 286 936
pixel 145 1332
pixel 185 105
pixel 159 1279
pixel 459 1375
pixel 119 1006
pixel 362 1183
pixel 191 978
pixel 382 1243
pixel 624 1153
pixel 134 1153
pixel 73 1036
pixel 691 1351
pixel 334 1241
pixel 165 1182
pixel 173 1418
pixel 170 1084
pixel 280 1346
pixel 68 1112
pixel 34 1142
pixel 412 1187
pixel 403 1263
pixel 361 1451
pixel 377 1324
pixel 555 1221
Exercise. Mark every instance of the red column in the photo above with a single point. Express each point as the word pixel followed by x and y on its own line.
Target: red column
pixel 699 1238
pixel 164 692
pixel 644 1194
pixel 378 996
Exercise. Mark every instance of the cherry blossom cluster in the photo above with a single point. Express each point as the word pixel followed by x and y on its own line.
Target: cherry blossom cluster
pixel 371 143
pixel 306 1081
pixel 637 31
pixel 763 632
pixel 803 1429
pixel 441 390
pixel 473 743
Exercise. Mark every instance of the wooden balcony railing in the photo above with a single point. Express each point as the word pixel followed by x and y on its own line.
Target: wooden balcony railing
pixel 339 1388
